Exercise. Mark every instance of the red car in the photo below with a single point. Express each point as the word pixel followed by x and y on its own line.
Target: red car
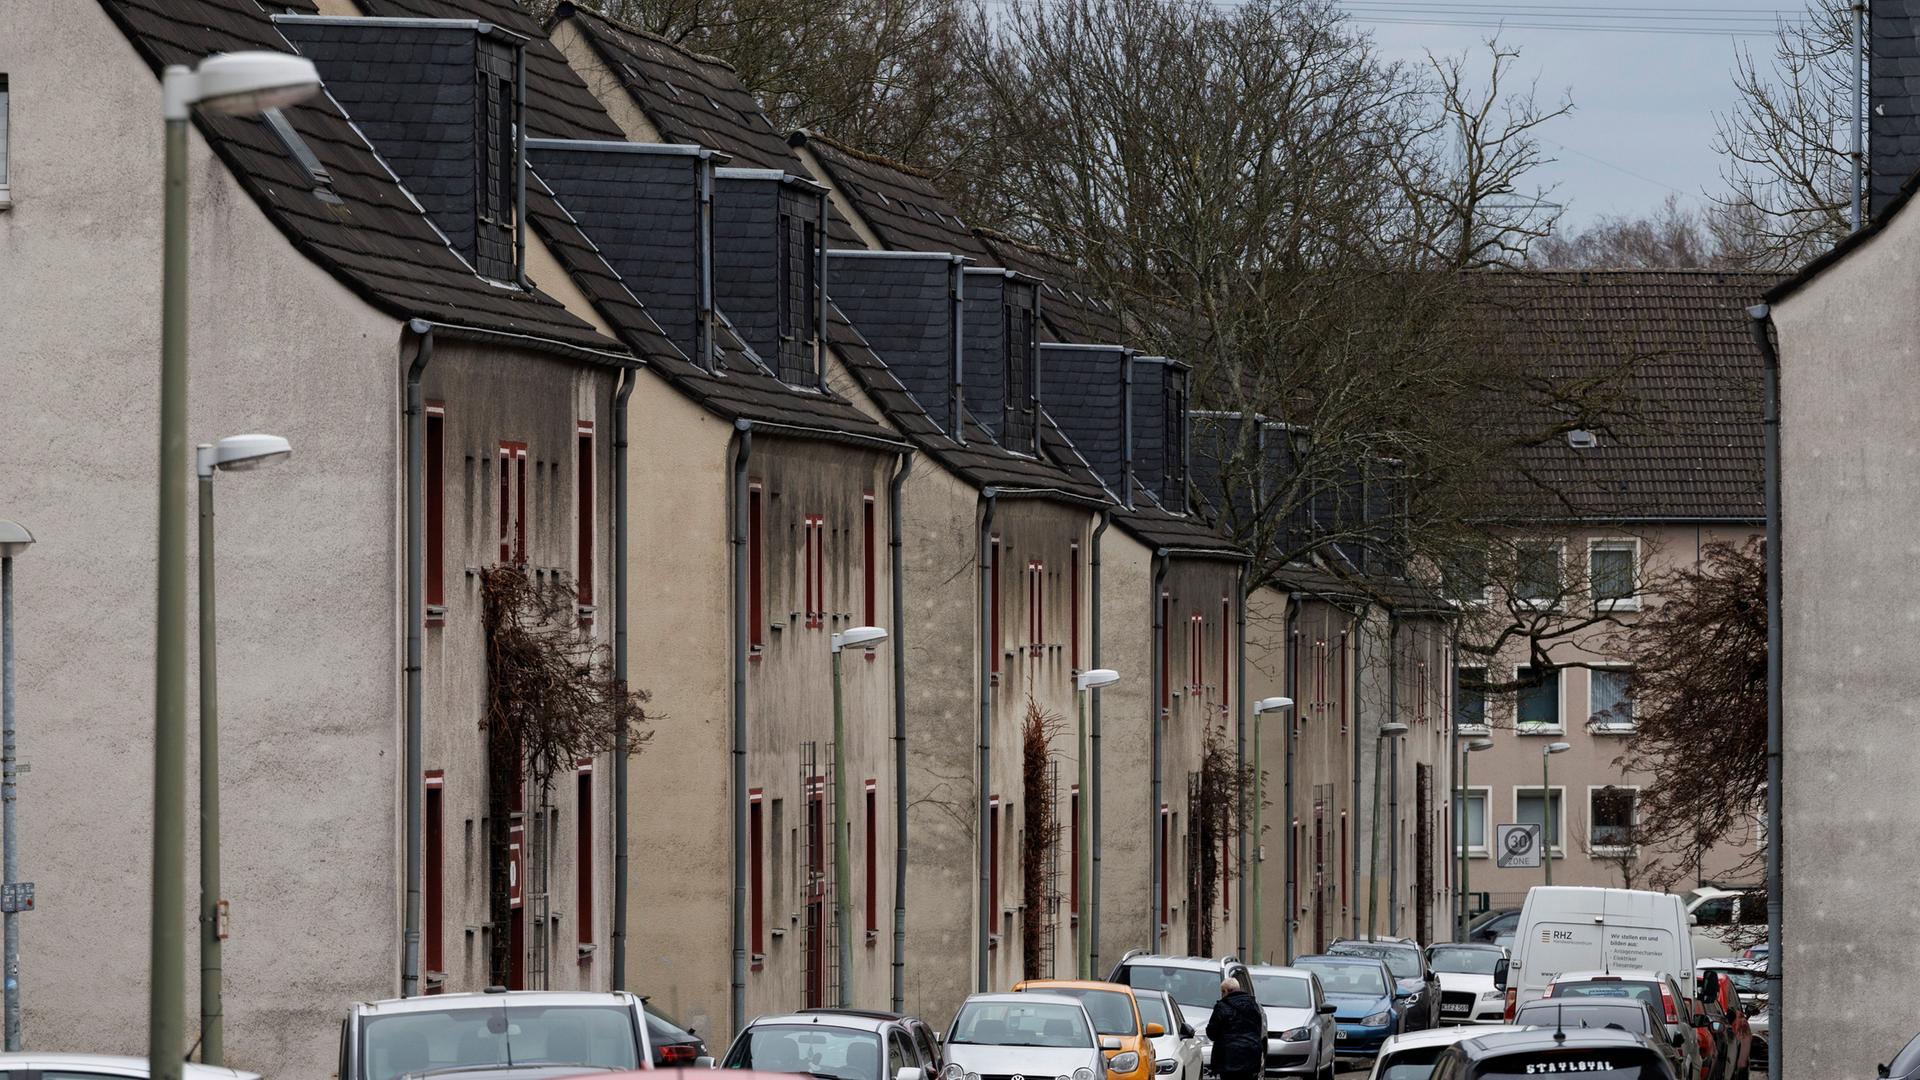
pixel 1733 1035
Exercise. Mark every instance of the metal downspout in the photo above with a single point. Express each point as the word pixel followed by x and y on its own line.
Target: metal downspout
pixel 1093 741
pixel 1458 852
pixel 985 845
pixel 414 767
pixel 1293 726
pixel 1156 716
pixel 1776 729
pixel 899 651
pixel 737 797
pixel 628 379
pixel 1393 775
pixel 1248 814
pixel 1357 620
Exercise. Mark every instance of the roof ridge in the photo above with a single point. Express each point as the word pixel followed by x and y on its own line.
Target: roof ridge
pixel 572 7
pixel 1620 271
pixel 806 135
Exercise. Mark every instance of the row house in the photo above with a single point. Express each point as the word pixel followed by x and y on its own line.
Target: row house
pixel 365 282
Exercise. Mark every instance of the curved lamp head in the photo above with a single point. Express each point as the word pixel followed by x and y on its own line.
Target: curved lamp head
pixel 1476 745
pixel 240 83
pixel 1096 678
pixel 855 636
pixel 14 539
pixel 1392 730
pixel 1556 748
pixel 1267 705
pixel 237 453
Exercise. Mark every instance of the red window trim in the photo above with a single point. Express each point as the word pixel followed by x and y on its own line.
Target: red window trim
pixel 436 510
pixel 993 587
pixel 1226 876
pixel 434 845
pixel 583 850
pixel 1344 883
pixel 815 570
pixel 1197 651
pixel 1036 606
pixel 513 502
pixel 1166 651
pixel 993 866
pixel 757 841
pixel 1073 590
pixel 1342 688
pixel 871 557
pixel 1166 860
pixel 583 496
pixel 873 859
pixel 756 590
pixel 1226 654
pixel 1073 860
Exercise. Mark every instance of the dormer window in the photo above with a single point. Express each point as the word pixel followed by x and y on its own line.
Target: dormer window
pixel 1175 476
pixel 798 296
pixel 1020 427
pixel 497 161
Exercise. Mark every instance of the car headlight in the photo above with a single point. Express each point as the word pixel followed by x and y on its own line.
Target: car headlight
pixel 1165 1066
pixel 1379 1019
pixel 1062 1076
pixel 1494 995
pixel 1299 1034
pixel 1124 1063
pixel 953 1071
pixel 1083 1074
pixel 1413 999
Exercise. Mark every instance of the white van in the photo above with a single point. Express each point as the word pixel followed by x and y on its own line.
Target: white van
pixel 1575 928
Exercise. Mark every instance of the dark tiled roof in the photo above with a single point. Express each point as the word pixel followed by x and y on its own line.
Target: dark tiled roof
pixel 373 238
pixel 899 203
pixel 1156 527
pixel 689 97
pixel 903 306
pixel 1083 390
pixel 1690 446
pixel 559 105
pixel 1070 306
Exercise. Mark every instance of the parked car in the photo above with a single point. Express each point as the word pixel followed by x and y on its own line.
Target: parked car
pixel 1193 981
pixel 922 1041
pixel 1905 1064
pixel 1116 1016
pixel 1364 1006
pixel 1412 1056
pixel 1467 991
pixel 1731 1032
pixel 828 1043
pixel 1415 984
pixel 555 1032
pixel 1724 918
pixel 37 1063
pixel 1566 928
pixel 1594 1054
pixel 1492 927
pixel 673 1046
pixel 1031 1034
pixel 1302 1038
pixel 1627 1014
pixel 1176 1053
pixel 1677 1011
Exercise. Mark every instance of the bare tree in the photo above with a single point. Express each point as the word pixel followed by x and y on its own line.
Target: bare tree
pixel 1672 237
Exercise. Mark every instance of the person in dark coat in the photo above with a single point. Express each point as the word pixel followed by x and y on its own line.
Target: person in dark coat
pixel 1238 1029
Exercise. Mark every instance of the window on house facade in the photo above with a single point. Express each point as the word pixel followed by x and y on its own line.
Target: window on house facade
pixel 993 866
pixel 1020 427
pixel 436 511
pixel 1466 575
pixel 1614 574
pixel 757 873
pixel 1036 606
pixel 1537 578
pixel 870 556
pixel 1196 651
pixel 433 883
pixel 1470 820
pixel 1174 487
pixel 1344 880
pixel 784 277
pixel 583 500
pixel 1226 653
pixel 1530 809
pixel 815 570
pixel 873 857
pixel 497 161
pixel 756 589
pixel 1166 651
pixel 1073 617
pixel 513 503
pixel 583 851
pixel 1538 704
pixel 1470 699
pixel 1610 817
pixel 6 198
pixel 1073 847
pixel 993 590
pixel 1611 705
pixel 1166 857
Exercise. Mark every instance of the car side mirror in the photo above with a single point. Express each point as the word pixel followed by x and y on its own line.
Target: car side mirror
pixel 1678 1040
pixel 1186 1031
pixel 1401 995
pixel 1110 1042
pixel 1701 1021
pixel 1326 1008
pixel 909 1072
pixel 1500 970
pixel 1884 1070
pixel 1153 1031
pixel 1751 1008
pixel 704 1062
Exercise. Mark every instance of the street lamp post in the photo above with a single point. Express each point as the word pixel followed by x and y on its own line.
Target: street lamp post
pixel 1546 805
pixel 234 453
pixel 235 83
pixel 14 541
pixel 1261 708
pixel 1387 731
pixel 1083 682
pixel 853 637
pixel 1472 747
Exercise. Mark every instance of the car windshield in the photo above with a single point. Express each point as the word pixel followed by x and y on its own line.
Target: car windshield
pixel 1463 961
pixel 831 1053
pixel 1612 988
pixel 1348 978
pixel 1744 981
pixel 999 1023
pixel 1545 1014
pixel 1153 1010
pixel 1189 986
pixel 1413 1064
pixel 1611 1063
pixel 1402 960
pixel 1282 991
pixel 1112 1010
pixel 414 1043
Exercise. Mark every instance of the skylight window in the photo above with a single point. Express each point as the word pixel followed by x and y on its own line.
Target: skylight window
pixel 303 154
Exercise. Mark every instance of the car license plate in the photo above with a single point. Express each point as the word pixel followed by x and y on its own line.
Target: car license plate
pixel 1454 1010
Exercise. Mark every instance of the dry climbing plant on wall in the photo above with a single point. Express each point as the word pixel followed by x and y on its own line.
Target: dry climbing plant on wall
pixel 1216 819
pixel 1039 835
pixel 552 700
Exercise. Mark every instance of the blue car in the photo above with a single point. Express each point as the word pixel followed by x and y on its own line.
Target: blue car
pixel 1364 1008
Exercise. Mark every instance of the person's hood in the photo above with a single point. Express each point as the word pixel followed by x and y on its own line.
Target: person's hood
pixel 1283 1018
pixel 1358 1006
pixel 1463 982
pixel 1034 1061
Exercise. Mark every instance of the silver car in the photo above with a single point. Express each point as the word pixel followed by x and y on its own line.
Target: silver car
pixel 1301 1035
pixel 536 1032
pixel 104 1067
pixel 1033 1034
pixel 1176 1054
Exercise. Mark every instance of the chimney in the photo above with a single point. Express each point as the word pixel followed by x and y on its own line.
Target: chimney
pixel 1893 99
pixel 1086 391
pixel 910 307
pixel 770 275
pixel 1160 429
pixel 649 209
pixel 444 103
pixel 1002 381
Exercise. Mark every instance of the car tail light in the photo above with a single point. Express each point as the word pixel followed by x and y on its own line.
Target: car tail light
pixel 1513 1001
pixel 1666 998
pixel 678 1054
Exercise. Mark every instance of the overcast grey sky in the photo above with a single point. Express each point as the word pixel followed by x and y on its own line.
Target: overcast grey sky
pixel 1645 87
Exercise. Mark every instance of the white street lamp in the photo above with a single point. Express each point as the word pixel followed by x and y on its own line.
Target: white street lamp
pixel 14 541
pixel 238 83
pixel 1261 708
pixel 1091 679
pixel 1546 805
pixel 852 637
pixel 857 636
pixel 1096 678
pixel 1472 746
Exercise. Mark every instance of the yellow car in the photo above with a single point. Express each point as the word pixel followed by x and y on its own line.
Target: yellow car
pixel 1127 1043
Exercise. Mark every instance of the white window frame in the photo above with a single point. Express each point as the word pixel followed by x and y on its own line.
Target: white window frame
pixel 1612 849
pixel 1614 543
pixel 1557 844
pixel 1560 708
pixel 1549 603
pixel 1481 850
pixel 1464 727
pixel 1595 728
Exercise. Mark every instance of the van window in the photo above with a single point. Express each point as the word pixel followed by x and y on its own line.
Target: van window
pixel 1715 912
pixel 1610 1063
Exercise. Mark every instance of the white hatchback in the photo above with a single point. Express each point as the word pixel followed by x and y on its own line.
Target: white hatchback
pixel 107 1067
pixel 1411 1056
